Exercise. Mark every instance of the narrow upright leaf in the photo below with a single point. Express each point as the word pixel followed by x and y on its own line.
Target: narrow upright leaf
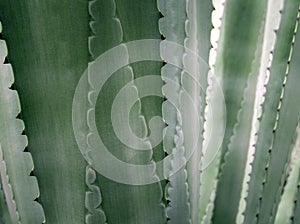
pixel 214 124
pixel 284 131
pixel 237 65
pixel 172 27
pixel 4 218
pixel 287 200
pixel 114 23
pixel 20 189
pixel 296 212
pixel 275 136
pixel 187 24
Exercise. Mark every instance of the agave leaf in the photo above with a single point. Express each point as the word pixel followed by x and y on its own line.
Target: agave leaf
pixel 296 211
pixel 180 25
pixel 197 40
pixel 229 55
pixel 172 28
pixel 103 22
pixel 244 131
pixel 52 37
pixel 19 187
pixel 93 199
pixel 286 205
pixel 114 23
pixel 4 218
pixel 236 157
pixel 238 69
pixel 213 125
pixel 285 126
pixel 8 203
pixel 260 201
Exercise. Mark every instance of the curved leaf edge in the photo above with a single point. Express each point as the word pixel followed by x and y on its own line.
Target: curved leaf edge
pixel 17 215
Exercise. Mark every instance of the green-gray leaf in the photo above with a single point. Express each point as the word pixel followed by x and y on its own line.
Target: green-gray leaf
pixel 20 189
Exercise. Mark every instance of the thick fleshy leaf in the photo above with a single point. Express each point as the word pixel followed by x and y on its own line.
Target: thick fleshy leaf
pixel 284 133
pixel 19 188
pixel 185 23
pixel 4 210
pixel 275 135
pixel 214 124
pixel 172 27
pixel 113 23
pixel 47 41
pixel 237 66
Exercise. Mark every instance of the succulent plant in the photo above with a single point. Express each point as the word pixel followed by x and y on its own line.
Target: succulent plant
pixel 149 112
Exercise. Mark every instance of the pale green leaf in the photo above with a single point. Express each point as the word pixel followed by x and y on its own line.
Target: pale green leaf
pixel 286 205
pixel 237 62
pixel 275 137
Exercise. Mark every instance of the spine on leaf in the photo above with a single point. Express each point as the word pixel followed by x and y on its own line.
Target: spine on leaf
pixel 184 23
pixel 20 188
pixel 172 27
pixel 288 197
pixel 237 70
pixel 212 125
pixel 275 133
pixel 112 26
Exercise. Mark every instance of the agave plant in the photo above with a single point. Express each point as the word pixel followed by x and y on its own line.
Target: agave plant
pixel 149 112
